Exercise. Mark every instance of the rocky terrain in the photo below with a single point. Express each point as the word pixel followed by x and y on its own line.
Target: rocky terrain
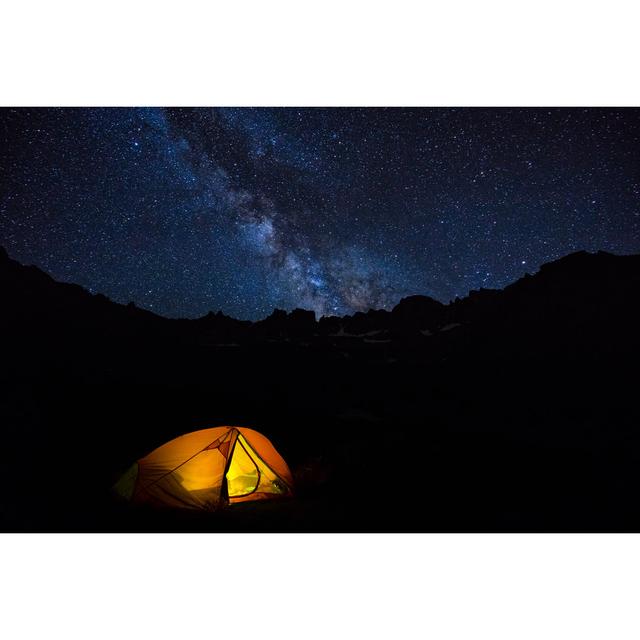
pixel 507 410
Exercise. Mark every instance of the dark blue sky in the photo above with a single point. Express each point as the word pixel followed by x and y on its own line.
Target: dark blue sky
pixel 337 210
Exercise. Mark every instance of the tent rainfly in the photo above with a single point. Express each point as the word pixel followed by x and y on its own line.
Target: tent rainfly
pixel 208 469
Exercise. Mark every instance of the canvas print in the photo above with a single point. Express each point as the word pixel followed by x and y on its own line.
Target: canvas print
pixel 319 319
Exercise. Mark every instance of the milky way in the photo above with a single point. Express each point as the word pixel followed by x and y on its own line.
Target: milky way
pixel 185 211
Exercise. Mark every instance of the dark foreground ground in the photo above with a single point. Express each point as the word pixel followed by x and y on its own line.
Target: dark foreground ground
pixel 518 412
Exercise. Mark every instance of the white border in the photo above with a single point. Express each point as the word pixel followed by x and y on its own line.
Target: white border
pixel 337 52
pixel 320 586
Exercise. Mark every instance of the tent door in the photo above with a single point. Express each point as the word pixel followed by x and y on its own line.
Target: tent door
pixel 243 475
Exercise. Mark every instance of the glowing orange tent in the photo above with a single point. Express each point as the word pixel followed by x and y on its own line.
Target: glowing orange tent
pixel 208 469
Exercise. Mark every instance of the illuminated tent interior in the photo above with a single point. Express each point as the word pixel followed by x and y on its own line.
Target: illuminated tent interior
pixel 208 469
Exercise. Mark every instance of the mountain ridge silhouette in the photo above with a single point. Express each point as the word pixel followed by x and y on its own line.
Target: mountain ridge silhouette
pixel 29 292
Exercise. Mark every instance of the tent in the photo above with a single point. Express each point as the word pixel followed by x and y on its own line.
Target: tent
pixel 208 469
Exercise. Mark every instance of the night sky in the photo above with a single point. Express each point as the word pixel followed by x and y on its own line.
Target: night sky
pixel 184 211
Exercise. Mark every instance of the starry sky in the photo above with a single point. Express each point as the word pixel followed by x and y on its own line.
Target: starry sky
pixel 186 211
